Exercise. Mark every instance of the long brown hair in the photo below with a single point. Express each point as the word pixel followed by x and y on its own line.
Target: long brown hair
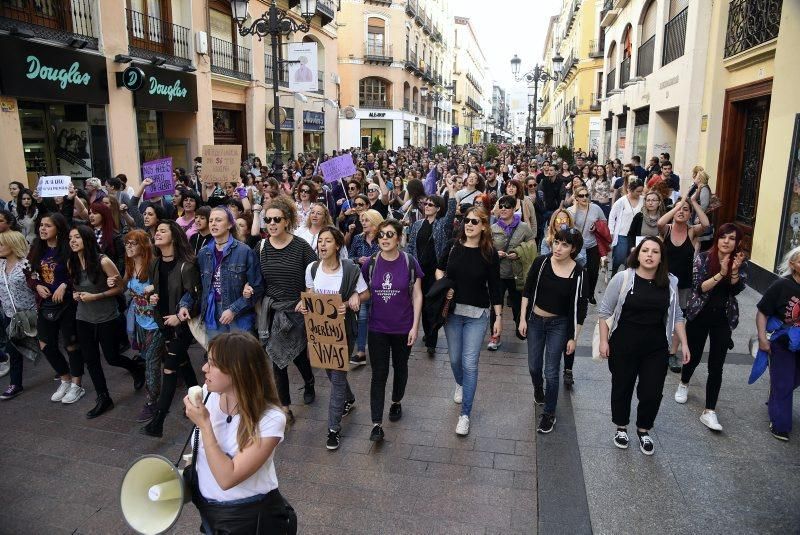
pixel 240 356
pixel 142 239
pixel 486 245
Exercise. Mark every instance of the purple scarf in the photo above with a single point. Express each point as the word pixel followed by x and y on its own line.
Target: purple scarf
pixel 509 228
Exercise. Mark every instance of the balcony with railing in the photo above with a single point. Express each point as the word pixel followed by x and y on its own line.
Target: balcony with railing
pixel 625 71
pixel 377 104
pixel 471 103
pixel 228 59
pixel 569 63
pixel 64 21
pixel 644 61
pixel 596 48
pixel 412 64
pixel 751 23
pixel 675 37
pixel 594 102
pixel 426 25
pixel 411 7
pixel 150 37
pixel 427 74
pixel 379 2
pixel 378 53
pixel 283 71
pixel 326 9
pixel 611 78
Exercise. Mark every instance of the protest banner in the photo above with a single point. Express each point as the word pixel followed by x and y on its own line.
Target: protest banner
pixel 325 331
pixel 221 163
pixel 54 186
pixel 338 168
pixel 160 172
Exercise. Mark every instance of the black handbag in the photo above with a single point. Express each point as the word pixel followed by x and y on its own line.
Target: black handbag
pixel 53 311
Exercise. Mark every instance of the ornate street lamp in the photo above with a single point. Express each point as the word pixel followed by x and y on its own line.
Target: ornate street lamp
pixel 538 74
pixel 274 23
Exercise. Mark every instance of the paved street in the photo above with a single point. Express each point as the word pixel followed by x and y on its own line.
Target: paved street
pixel 61 472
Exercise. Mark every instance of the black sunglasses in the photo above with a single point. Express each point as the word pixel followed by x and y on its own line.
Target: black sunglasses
pixel 359 204
pixel 472 221
pixel 506 206
pixel 305 190
pixel 429 203
pixel 387 234
pixel 582 196
pixel 270 220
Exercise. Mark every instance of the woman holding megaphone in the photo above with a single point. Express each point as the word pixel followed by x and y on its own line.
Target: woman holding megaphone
pixel 240 425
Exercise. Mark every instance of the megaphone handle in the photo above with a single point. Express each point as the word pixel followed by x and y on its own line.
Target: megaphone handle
pixel 189 438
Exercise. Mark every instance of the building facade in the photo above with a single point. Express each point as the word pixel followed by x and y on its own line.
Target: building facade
pixel 395 66
pixel 68 110
pixel 748 125
pixel 472 89
pixel 654 75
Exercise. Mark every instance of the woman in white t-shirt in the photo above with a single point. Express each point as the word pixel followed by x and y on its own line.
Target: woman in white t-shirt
pixel 240 426
pixel 332 275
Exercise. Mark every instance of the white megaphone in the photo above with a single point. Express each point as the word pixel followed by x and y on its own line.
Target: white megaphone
pixel 152 494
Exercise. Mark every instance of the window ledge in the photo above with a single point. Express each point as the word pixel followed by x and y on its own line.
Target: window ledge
pixel 749 57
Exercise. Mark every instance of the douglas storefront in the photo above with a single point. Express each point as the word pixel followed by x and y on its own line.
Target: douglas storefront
pixel 61 95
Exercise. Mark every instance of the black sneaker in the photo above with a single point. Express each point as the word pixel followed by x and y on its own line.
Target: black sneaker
pixel 104 404
pixel 621 439
pixel 431 351
pixel 333 440
pixel 646 443
pixel 11 392
pixel 357 360
pixel 674 363
pixel 538 395
pixel 546 423
pixel 778 434
pixel 568 379
pixel 377 433
pixel 309 394
pixel 349 405
pixel 395 412
pixel 592 301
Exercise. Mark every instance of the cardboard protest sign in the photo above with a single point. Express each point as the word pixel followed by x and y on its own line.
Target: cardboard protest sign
pixel 338 168
pixel 160 171
pixel 54 186
pixel 221 163
pixel 325 331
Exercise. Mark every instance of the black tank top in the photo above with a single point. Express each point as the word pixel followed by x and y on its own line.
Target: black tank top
pixel 679 259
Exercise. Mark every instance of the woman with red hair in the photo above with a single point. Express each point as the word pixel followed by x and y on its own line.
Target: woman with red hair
pixel 101 219
pixel 718 275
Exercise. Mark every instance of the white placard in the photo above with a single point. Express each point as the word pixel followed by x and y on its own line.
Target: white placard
pixel 303 74
pixel 54 186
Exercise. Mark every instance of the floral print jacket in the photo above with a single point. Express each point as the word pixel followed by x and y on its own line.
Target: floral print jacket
pixel 699 299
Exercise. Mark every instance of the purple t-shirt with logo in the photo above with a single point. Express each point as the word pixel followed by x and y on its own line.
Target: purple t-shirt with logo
pixel 392 306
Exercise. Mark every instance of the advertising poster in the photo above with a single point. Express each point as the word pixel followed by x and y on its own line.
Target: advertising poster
pixel 303 73
pixel 73 149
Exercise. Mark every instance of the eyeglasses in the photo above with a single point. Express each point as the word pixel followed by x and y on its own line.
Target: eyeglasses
pixel 270 220
pixel 353 188
pixel 387 234
pixel 626 170
pixel 130 244
pixel 429 203
pixel 531 185
pixel 506 206
pixel 472 221
pixel 373 190
pixel 305 190
pixel 359 205
pixel 582 196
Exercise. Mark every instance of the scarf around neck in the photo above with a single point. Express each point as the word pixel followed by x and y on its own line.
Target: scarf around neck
pixel 508 228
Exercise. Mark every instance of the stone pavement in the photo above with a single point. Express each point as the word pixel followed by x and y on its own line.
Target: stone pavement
pixel 61 472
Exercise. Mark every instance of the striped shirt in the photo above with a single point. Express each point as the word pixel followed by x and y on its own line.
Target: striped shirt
pixel 284 270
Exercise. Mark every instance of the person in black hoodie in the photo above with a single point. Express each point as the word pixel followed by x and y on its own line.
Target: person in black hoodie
pixel 558 306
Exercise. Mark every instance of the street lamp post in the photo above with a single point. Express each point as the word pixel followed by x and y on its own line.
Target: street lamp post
pixel 538 74
pixel 274 23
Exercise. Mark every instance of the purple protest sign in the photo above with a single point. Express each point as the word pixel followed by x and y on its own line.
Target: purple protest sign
pixel 160 171
pixel 338 168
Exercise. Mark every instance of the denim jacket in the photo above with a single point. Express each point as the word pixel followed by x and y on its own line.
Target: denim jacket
pixel 440 232
pixel 239 266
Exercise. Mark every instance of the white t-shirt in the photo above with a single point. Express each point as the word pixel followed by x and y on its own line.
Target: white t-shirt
pixel 330 283
pixel 264 479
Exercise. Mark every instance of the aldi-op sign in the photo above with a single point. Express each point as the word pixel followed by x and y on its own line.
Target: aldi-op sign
pixel 38 71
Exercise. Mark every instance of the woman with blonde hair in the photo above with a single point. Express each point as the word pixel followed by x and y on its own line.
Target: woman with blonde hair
pixel 318 219
pixel 239 426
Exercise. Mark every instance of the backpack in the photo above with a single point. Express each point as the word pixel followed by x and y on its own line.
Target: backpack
pixel 412 272
pixel 526 254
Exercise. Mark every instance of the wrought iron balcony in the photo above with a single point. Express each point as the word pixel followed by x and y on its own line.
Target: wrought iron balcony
pixel 675 37
pixel 427 74
pixel 750 23
pixel 150 36
pixel 326 10
pixel 419 17
pixel 63 21
pixel 569 63
pixel 596 48
pixel 426 25
pixel 378 54
pixel 283 71
pixel 644 61
pixel 373 103
pixel 229 59
pixel 594 102
pixel 411 7
pixel 471 103
pixel 624 71
pixel 611 78
pixel 381 2
pixel 411 61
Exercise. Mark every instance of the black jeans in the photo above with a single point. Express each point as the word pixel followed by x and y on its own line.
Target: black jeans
pixel 381 345
pixel 178 340
pixel 91 338
pixel 593 270
pixel 710 322
pixel 635 355
pixel 15 360
pixel 48 334
pixel 514 295
pixel 282 376
pixel 431 334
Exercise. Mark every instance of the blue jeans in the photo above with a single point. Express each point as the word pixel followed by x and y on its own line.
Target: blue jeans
pixel 464 340
pixel 619 255
pixel 239 324
pixel 363 321
pixel 547 339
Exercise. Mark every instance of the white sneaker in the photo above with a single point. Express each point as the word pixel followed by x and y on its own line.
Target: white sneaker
pixel 462 428
pixel 74 393
pixel 61 392
pixel 494 344
pixel 682 393
pixel 709 419
pixel 5 367
pixel 459 394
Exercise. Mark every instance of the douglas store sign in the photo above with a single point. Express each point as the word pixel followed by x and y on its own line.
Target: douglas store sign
pixel 36 71
pixel 160 89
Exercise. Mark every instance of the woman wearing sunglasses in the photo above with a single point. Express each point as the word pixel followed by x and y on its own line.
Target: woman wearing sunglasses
pixel 585 214
pixel 394 281
pixel 306 197
pixel 473 266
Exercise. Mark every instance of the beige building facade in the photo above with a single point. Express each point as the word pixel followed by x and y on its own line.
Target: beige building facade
pixel 395 64
pixel 192 80
pixel 473 98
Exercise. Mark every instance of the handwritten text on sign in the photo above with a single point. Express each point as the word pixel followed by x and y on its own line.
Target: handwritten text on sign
pixel 337 168
pixel 160 171
pixel 325 331
pixel 54 186
pixel 221 163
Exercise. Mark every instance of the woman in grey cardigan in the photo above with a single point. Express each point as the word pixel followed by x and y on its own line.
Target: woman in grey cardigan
pixel 643 302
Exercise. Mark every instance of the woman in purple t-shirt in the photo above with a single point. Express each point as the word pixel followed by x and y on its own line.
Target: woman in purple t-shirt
pixel 395 284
